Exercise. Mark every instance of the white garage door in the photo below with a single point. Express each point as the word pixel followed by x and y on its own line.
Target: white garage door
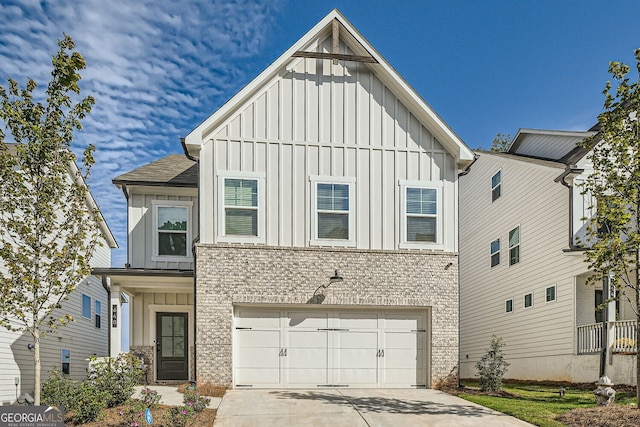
pixel 296 348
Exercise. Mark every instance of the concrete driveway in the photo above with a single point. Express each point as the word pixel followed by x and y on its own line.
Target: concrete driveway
pixel 357 407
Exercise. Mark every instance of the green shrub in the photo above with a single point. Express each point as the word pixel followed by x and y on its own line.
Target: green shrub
pixel 178 416
pixel 58 390
pixel 133 413
pixel 89 401
pixel 492 366
pixel 196 402
pixel 150 398
pixel 115 376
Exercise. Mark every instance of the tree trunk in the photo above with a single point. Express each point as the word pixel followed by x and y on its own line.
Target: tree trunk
pixel 36 365
pixel 637 330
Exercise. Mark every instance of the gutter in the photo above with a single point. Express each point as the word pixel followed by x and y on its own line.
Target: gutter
pixel 466 170
pixel 572 171
pixel 125 191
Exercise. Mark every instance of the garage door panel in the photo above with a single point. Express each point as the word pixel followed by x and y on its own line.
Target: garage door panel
pixel 258 376
pixel 314 320
pixel 257 339
pixel 263 319
pixel 408 322
pixel 405 340
pixel 348 320
pixel 355 339
pixel 404 377
pixel 357 377
pixel 306 377
pixel 307 339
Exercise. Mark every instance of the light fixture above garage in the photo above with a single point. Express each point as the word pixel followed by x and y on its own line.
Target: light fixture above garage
pixel 336 278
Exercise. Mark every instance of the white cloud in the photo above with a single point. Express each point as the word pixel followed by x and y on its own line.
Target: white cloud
pixel 156 69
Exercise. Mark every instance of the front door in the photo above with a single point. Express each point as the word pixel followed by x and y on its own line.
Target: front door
pixel 171 346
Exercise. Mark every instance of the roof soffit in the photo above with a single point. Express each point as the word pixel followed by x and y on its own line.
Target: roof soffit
pixel 360 46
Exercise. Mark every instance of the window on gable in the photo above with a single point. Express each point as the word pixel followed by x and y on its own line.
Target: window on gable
pixel 98 314
pixel 528 300
pixel 172 230
pixel 514 246
pixel 332 211
pixel 240 207
pixel 550 293
pixel 86 306
pixel 495 252
pixel 496 184
pixel 422 214
pixel 508 306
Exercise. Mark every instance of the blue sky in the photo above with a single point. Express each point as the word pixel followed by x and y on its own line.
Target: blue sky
pixel 158 68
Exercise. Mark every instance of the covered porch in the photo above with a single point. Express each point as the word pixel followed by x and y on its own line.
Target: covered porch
pixel 161 319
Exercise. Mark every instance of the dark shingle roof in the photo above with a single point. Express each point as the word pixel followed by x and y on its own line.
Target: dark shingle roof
pixel 175 170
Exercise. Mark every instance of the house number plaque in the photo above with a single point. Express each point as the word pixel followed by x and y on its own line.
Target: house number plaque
pixel 114 316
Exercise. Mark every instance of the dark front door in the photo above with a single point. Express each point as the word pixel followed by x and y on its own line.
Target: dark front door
pixel 172 346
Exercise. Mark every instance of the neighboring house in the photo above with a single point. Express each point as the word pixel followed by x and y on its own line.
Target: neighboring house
pixel 327 164
pixel 522 272
pixel 69 349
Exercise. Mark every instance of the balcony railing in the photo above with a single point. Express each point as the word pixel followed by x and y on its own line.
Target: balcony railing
pixel 623 337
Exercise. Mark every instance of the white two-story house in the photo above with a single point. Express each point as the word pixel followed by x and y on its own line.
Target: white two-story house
pixel 68 349
pixel 522 272
pixel 308 237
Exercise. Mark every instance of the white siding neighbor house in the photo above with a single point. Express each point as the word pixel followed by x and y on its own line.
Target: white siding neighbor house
pixel 522 270
pixel 69 349
pixel 322 204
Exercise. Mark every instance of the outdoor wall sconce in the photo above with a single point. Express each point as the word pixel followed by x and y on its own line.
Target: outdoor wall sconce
pixel 31 346
pixel 336 278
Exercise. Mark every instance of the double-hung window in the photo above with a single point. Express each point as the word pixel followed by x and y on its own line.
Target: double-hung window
pixel 98 314
pixel 496 184
pixel 495 252
pixel 86 306
pixel 528 300
pixel 550 293
pixel 172 234
pixel 514 246
pixel 334 211
pixel 241 214
pixel 508 306
pixel 421 214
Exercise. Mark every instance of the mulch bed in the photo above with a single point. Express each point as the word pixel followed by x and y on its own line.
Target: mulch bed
pixel 602 416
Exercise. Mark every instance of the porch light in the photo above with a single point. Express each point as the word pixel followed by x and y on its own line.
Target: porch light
pixel 336 278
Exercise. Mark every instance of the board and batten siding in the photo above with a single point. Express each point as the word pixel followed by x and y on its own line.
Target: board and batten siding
pixel 142 227
pixel 80 337
pixel 142 324
pixel 531 199
pixel 319 119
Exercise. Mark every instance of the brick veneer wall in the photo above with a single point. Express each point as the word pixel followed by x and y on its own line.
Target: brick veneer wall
pixel 236 274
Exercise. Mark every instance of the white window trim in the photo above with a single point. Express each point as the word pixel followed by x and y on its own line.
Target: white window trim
pixel 97 313
pixel 82 306
pixel 221 212
pixel 519 245
pixel 155 204
pixel 499 252
pixel 499 185
pixel 555 294
pixel 524 306
pixel 436 185
pixel 351 182
pixel 512 306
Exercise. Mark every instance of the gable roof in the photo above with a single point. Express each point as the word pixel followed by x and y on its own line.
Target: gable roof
pixel 174 170
pixel 411 99
pixel 555 145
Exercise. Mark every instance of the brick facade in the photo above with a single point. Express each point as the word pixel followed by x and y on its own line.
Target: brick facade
pixel 234 274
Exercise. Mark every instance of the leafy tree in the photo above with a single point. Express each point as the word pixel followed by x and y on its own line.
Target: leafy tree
pixel 614 230
pixel 48 230
pixel 492 366
pixel 501 143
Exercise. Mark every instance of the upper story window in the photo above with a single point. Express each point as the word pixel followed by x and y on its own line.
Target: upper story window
pixel 98 314
pixel 86 306
pixel 172 235
pixel 528 300
pixel 421 214
pixel 334 211
pixel 496 184
pixel 514 246
pixel 241 215
pixel 508 306
pixel 495 252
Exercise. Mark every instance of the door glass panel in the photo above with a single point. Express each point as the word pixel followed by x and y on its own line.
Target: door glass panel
pixel 178 347
pixel 167 347
pixel 167 326
pixel 178 326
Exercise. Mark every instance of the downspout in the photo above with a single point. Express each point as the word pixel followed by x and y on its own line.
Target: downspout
pixel 193 250
pixel 570 170
pixel 125 191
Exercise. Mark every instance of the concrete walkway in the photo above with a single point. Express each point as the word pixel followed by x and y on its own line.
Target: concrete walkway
pixel 357 407
pixel 171 396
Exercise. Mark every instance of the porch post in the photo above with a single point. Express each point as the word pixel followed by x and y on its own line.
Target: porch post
pixel 605 328
pixel 611 318
pixel 115 321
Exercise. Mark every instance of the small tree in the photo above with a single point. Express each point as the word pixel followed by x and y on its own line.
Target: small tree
pixel 492 366
pixel 501 143
pixel 47 229
pixel 614 230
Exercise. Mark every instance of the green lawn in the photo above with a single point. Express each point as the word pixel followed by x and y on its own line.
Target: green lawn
pixel 539 404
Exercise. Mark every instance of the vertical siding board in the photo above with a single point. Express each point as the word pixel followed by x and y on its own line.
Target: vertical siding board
pixel 234 153
pixel 350 115
pixel 272 196
pixel 375 202
pixel 312 123
pixel 247 120
pixel 138 320
pixel 234 127
pixel 389 201
pixel 299 186
pixel 403 125
pixel 363 103
pixel 274 111
pixel 260 116
pixel 287 103
pixel 389 123
pixel 299 101
pixel 247 156
pixel 364 198
pixel 286 196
